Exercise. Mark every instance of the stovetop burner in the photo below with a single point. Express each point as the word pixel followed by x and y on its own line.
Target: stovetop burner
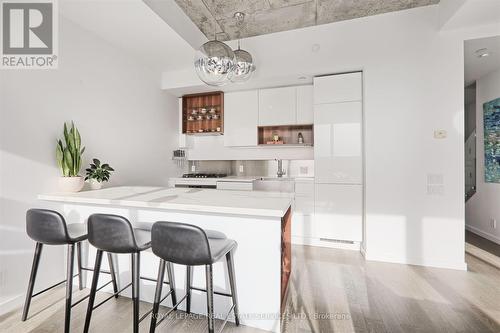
pixel 204 175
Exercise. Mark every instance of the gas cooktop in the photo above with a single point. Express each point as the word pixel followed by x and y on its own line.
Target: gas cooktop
pixel 204 175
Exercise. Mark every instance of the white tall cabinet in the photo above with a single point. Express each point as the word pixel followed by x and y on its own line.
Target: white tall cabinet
pixel 241 118
pixel 338 157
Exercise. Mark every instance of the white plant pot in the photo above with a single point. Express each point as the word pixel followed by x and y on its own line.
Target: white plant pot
pixel 94 184
pixel 71 184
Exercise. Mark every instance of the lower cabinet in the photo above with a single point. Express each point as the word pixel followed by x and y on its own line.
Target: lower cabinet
pixel 338 212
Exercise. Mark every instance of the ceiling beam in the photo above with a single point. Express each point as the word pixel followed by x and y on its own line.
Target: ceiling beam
pixel 175 17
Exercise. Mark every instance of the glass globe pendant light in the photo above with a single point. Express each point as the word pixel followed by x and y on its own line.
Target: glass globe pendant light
pixel 214 62
pixel 243 66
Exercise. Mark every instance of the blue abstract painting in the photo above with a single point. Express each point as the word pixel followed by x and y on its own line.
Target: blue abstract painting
pixel 491 111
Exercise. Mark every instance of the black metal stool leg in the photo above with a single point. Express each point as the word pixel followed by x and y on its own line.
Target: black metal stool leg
pixel 136 263
pixel 69 285
pixel 232 282
pixel 93 289
pixel 156 304
pixel 31 283
pixel 113 274
pixel 210 297
pixel 189 278
pixel 171 281
pixel 79 263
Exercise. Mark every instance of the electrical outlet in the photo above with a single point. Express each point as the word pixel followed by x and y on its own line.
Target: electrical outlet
pixel 193 168
pixel 242 169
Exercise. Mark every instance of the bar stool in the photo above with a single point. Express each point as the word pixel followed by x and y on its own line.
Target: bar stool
pixel 189 245
pixel 115 234
pixel 48 227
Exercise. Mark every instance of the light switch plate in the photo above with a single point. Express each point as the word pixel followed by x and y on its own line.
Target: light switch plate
pixel 242 168
pixel 440 134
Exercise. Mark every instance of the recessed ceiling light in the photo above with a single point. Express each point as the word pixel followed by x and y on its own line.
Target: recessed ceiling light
pixel 302 77
pixel 315 47
pixel 481 53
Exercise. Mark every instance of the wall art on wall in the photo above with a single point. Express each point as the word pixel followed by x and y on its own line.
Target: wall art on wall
pixel 491 111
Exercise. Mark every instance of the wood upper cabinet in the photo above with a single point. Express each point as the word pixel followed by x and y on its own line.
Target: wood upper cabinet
pixel 278 106
pixel 241 118
pixel 305 111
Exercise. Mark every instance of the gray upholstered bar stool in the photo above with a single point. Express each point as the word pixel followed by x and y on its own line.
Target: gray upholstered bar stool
pixel 190 245
pixel 48 227
pixel 115 234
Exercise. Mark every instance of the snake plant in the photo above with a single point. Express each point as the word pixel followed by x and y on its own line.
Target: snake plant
pixel 69 154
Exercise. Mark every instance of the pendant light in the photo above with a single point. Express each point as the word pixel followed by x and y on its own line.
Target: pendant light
pixel 214 62
pixel 243 66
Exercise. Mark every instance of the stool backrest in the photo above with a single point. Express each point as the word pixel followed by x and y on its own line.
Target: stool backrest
pixel 180 243
pixel 46 226
pixel 111 233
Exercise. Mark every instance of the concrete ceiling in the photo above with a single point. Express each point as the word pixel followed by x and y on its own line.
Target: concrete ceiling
pixel 476 67
pixel 268 16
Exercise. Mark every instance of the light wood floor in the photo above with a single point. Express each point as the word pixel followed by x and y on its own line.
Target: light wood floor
pixel 346 292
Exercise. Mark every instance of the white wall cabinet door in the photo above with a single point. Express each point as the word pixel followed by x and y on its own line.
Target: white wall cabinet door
pixel 277 106
pixel 305 110
pixel 338 88
pixel 184 140
pixel 241 118
pixel 338 143
pixel 338 212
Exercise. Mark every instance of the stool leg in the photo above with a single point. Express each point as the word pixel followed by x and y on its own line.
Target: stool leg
pixel 156 304
pixel 189 278
pixel 113 274
pixel 79 263
pixel 31 283
pixel 136 263
pixel 93 289
pixel 232 282
pixel 210 297
pixel 69 285
pixel 171 281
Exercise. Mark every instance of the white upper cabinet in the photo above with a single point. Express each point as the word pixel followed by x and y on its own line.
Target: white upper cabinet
pixel 305 113
pixel 241 118
pixel 338 88
pixel 277 106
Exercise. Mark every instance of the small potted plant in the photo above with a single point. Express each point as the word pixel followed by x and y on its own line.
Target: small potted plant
pixel 69 160
pixel 97 174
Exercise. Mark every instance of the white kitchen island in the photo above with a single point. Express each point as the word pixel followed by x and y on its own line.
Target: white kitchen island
pixel 259 222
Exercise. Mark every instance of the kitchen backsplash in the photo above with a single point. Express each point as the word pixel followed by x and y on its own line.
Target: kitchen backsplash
pixel 294 168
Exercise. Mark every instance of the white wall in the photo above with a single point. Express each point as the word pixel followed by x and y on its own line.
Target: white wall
pixel 124 119
pixel 483 206
pixel 413 84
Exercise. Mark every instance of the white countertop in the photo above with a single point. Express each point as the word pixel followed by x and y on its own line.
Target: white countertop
pixel 251 203
pixel 215 180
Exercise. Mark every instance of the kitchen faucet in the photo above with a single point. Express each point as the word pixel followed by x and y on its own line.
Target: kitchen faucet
pixel 280 173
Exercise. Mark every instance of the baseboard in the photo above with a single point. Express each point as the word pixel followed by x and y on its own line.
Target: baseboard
pixel 483 234
pixel 355 246
pixel 462 266
pixel 11 304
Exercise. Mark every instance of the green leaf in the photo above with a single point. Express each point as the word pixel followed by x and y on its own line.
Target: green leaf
pixel 82 151
pixel 78 139
pixel 59 155
pixel 68 160
pixel 96 162
pixel 66 135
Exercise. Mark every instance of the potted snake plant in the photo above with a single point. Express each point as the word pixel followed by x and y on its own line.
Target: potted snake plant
pixel 98 173
pixel 69 159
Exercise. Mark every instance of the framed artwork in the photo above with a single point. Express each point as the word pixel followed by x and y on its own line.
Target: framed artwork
pixel 491 114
